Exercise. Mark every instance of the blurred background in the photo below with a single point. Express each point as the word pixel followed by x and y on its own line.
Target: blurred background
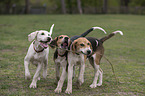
pixel 72 6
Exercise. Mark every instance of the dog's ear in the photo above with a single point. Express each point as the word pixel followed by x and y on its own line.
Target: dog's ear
pixel 53 43
pixel 32 36
pixel 74 46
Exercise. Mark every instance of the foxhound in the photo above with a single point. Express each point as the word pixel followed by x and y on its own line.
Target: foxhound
pixel 83 48
pixel 62 43
pixel 38 54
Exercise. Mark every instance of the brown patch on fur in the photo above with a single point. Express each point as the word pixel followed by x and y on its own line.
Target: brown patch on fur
pixel 80 43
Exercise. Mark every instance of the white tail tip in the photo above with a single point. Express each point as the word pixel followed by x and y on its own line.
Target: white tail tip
pixel 121 33
pixel 51 28
pixel 100 29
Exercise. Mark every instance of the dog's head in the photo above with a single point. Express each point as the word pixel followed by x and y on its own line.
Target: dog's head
pixel 42 36
pixel 82 45
pixel 62 41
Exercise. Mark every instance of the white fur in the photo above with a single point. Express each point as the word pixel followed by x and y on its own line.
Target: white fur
pixel 75 60
pixel 94 28
pixel 98 74
pixel 38 59
pixel 121 33
pixel 60 61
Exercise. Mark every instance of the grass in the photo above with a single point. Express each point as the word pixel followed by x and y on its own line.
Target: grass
pixel 125 52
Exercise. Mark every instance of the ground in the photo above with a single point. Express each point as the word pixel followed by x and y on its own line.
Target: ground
pixel 126 53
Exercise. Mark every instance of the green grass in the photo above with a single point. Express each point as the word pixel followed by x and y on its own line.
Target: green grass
pixel 127 53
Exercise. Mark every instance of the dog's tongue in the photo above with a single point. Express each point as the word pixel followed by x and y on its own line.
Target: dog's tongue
pixel 44 45
pixel 64 45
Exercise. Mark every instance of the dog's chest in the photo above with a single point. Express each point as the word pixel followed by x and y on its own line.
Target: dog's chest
pixel 61 60
pixel 76 59
pixel 38 57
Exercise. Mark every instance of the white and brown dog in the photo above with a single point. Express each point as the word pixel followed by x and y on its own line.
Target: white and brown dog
pixel 62 43
pixel 82 48
pixel 38 54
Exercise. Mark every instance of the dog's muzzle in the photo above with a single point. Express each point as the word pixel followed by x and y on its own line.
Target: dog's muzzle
pixel 88 52
pixel 45 43
pixel 65 43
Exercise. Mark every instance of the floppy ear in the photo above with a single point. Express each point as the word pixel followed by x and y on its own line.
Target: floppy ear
pixel 32 35
pixel 51 29
pixel 74 46
pixel 53 42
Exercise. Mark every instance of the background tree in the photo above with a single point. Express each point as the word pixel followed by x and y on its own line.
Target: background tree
pixel 27 6
pixel 105 6
pixel 8 5
pixel 79 6
pixel 63 7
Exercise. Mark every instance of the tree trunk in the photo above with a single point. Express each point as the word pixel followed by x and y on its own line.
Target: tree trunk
pixel 105 7
pixel 70 6
pixel 79 6
pixel 27 6
pixel 7 7
pixel 63 8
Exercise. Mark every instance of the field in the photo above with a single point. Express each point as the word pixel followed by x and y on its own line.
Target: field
pixel 126 53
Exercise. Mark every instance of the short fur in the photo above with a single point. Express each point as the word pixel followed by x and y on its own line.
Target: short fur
pixel 38 54
pixel 93 49
pixel 60 55
pixel 60 58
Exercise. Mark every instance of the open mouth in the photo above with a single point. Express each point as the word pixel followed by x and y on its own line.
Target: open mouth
pixel 64 45
pixel 44 44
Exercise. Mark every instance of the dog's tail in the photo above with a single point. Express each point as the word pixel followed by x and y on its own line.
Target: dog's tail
pixel 110 35
pixel 51 28
pixel 86 33
pixel 91 29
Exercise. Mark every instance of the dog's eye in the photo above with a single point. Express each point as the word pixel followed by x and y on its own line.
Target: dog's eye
pixel 82 44
pixel 88 43
pixel 42 33
pixel 60 37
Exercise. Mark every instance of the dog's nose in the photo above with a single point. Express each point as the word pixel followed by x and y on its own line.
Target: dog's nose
pixel 88 52
pixel 66 38
pixel 48 39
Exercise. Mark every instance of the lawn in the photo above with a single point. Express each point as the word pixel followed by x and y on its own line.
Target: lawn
pixel 126 53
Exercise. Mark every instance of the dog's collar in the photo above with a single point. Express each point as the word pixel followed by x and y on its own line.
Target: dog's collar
pixel 38 51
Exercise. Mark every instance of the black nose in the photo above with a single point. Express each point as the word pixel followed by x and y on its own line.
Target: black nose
pixel 66 38
pixel 48 39
pixel 88 52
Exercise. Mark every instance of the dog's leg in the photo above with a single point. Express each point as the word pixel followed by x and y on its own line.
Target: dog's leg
pixel 35 78
pixel 57 68
pixel 26 64
pixel 96 71
pixel 61 81
pixel 45 69
pixel 100 78
pixel 81 74
pixel 73 72
pixel 70 73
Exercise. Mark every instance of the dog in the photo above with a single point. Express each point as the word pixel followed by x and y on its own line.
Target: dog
pixel 83 48
pixel 38 54
pixel 62 43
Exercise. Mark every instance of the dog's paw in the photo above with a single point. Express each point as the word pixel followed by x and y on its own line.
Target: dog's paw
pixel 57 90
pixel 93 85
pixel 99 84
pixel 33 85
pixel 27 77
pixel 39 78
pixel 68 91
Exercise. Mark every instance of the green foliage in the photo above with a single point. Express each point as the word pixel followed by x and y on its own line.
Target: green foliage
pixel 125 52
